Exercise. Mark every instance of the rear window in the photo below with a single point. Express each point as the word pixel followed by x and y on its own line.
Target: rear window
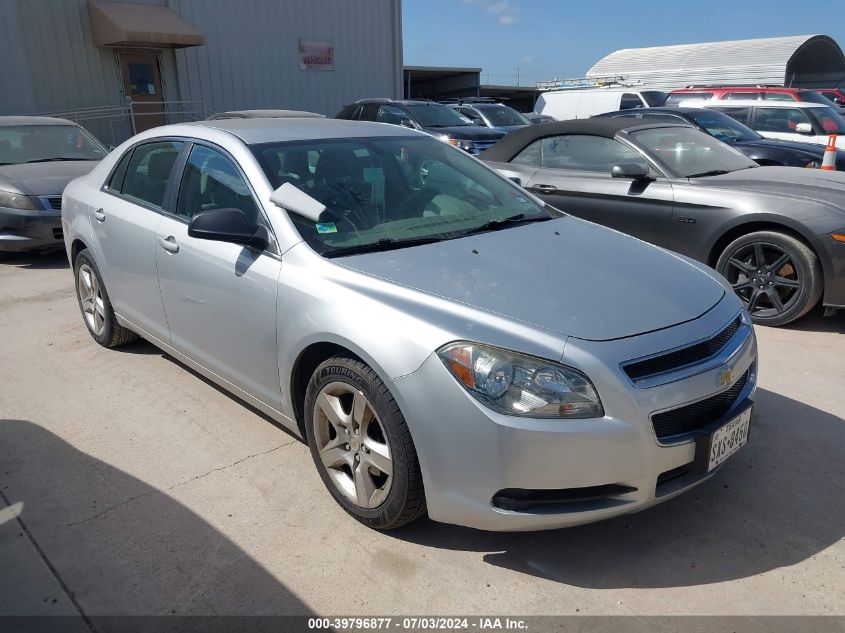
pixel 677 97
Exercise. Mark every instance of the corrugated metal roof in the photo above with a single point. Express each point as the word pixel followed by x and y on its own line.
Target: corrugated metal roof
pixel 763 61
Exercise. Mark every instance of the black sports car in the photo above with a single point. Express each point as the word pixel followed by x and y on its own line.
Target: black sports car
pixel 764 151
pixel 776 233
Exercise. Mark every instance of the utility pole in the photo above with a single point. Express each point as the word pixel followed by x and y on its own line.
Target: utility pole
pixel 517 75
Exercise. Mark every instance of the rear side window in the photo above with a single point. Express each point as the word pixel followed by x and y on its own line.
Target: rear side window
pixel 211 181
pixel 391 114
pixel 530 155
pixel 677 97
pixel 148 172
pixel 739 114
pixel 368 112
pixel 580 152
pixel 115 183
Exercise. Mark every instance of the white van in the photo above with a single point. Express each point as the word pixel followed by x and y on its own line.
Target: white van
pixel 582 103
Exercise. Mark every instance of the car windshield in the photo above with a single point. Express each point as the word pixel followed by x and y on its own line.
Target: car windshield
pixel 724 128
pixel 386 192
pixel 436 115
pixel 43 143
pixel 830 120
pixel 689 153
pixel 502 115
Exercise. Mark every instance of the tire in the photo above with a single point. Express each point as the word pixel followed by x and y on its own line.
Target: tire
pixel 344 457
pixel 101 323
pixel 777 277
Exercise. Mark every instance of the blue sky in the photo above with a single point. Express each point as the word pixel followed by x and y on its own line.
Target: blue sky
pixel 563 38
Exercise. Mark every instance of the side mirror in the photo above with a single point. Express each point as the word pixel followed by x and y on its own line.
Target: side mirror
pixel 227 225
pixel 407 123
pixel 804 128
pixel 635 171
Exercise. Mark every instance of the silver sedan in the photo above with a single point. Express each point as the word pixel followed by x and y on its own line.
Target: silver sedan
pixel 444 341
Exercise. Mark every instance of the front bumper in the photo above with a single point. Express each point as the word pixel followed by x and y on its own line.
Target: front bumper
pixel 24 230
pixel 471 456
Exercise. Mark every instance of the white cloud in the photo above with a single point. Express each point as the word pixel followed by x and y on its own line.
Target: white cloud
pixel 504 11
pixel 527 59
pixel 506 20
pixel 497 7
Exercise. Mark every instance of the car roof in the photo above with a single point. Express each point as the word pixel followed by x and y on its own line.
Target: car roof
pixel 268 114
pixel 726 103
pixel 269 130
pixel 32 120
pixel 608 127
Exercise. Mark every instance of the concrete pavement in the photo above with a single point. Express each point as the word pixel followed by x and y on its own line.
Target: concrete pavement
pixel 146 490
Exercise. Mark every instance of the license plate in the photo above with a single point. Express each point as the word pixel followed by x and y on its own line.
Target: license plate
pixel 727 439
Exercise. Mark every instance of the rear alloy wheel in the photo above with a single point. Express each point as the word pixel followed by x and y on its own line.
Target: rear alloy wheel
pixel 361 445
pixel 776 276
pixel 95 305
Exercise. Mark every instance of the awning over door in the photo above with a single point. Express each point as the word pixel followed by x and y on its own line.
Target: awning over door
pixel 125 24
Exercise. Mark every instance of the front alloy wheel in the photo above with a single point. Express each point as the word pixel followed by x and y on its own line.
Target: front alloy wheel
pixel 776 276
pixel 361 444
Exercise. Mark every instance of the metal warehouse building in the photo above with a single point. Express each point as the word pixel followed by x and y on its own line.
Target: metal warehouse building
pixel 814 61
pixel 119 67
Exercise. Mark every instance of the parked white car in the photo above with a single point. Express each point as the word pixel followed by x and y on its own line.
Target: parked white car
pixel 786 120
pixel 582 103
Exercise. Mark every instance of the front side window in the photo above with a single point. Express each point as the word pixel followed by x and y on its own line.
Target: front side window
pixel 211 181
pixel 148 171
pixel 737 96
pixel 381 191
pixel 781 120
pixel 779 96
pixel 829 119
pixel 579 152
pixel 688 153
pixel 437 115
pixel 530 156
pixel 630 101
pixel 45 143
pixel 811 96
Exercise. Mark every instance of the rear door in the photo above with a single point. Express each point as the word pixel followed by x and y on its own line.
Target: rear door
pixel 219 297
pixel 127 212
pixel 575 176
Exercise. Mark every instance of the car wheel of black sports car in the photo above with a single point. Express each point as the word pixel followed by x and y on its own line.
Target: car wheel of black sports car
pixel 776 276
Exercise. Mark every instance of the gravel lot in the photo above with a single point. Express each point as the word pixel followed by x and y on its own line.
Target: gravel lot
pixel 132 486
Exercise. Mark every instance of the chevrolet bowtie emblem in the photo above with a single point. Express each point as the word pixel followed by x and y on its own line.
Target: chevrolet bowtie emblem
pixel 726 376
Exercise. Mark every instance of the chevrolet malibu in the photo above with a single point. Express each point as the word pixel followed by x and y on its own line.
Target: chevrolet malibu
pixel 445 342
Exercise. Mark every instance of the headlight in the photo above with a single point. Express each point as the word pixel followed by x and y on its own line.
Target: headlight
pixel 516 384
pixel 12 200
pixel 464 145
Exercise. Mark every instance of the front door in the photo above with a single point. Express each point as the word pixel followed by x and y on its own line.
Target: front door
pixel 142 86
pixel 575 177
pixel 220 297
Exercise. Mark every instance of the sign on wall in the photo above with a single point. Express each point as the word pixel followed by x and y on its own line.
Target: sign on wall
pixel 316 55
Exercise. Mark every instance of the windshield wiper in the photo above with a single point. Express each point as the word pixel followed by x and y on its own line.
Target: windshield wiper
pixel 384 244
pixel 494 225
pixel 57 158
pixel 714 172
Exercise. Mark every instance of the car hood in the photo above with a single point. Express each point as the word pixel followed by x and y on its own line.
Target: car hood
pixel 566 275
pixel 807 184
pixel 468 132
pixel 43 179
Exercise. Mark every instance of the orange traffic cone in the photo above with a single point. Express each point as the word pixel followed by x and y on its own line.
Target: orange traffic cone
pixel 829 160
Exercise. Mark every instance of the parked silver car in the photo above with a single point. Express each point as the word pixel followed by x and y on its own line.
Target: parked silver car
pixel 444 341
pixel 38 157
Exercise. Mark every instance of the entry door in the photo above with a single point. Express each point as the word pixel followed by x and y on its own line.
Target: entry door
pixel 142 84
pixel 220 297
pixel 575 176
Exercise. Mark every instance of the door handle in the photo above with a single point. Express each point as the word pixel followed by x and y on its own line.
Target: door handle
pixel 169 244
pixel 99 215
pixel 544 188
